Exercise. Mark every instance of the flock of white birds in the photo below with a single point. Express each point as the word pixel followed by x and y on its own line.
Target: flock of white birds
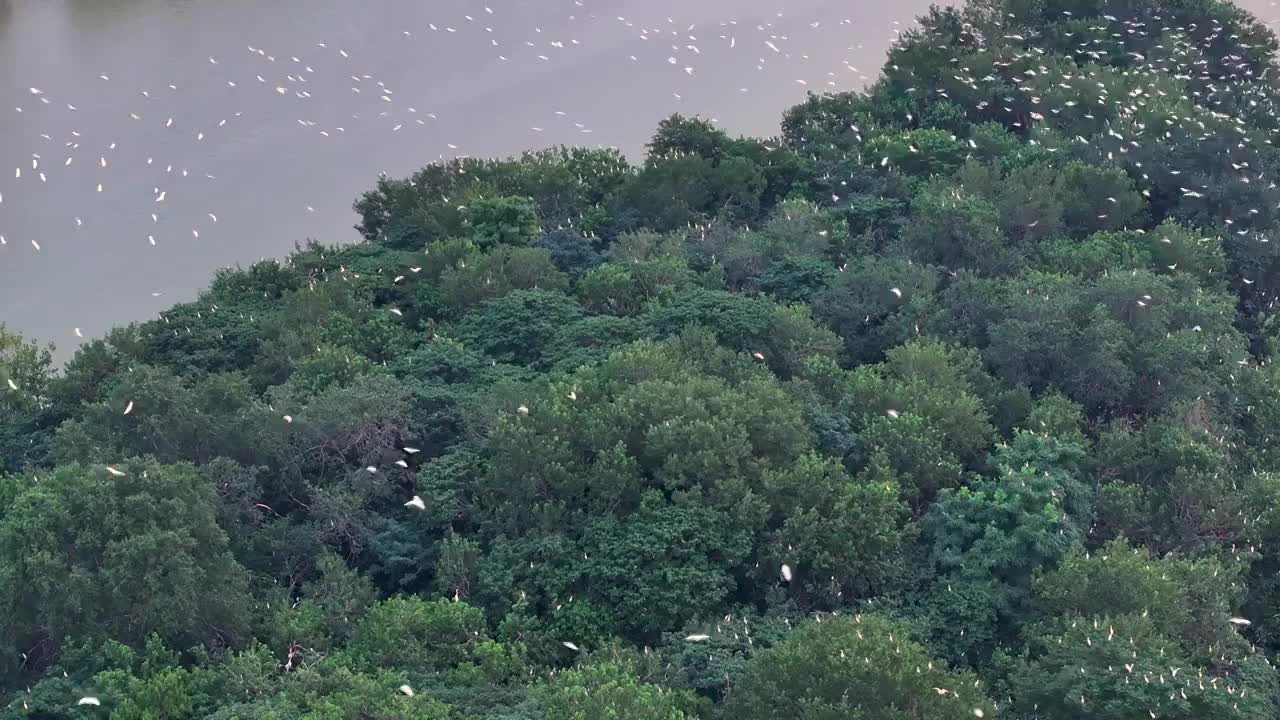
pixel 294 79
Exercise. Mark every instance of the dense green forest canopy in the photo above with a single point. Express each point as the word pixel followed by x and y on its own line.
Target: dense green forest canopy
pixel 955 400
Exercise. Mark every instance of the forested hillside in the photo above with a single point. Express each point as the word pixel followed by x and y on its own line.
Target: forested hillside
pixel 955 400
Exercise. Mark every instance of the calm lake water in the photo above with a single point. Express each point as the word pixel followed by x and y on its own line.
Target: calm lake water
pixel 272 116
